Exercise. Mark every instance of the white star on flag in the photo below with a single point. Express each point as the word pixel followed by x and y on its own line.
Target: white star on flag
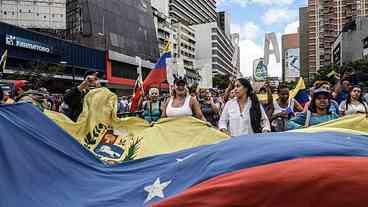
pixel 156 189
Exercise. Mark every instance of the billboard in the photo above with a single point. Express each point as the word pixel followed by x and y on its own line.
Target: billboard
pixel 260 72
pixel 292 63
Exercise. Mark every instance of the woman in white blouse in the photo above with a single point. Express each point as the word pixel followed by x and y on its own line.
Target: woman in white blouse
pixel 244 114
pixel 354 103
pixel 181 103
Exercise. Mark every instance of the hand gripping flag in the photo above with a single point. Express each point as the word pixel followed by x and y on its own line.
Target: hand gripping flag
pixel 156 77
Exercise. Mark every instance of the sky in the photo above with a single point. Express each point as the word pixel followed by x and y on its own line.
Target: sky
pixel 253 18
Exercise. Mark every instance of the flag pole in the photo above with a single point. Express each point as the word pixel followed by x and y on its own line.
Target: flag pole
pixel 139 71
pixel 3 63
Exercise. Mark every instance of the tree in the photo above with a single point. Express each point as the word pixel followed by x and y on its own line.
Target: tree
pixel 357 71
pixel 38 73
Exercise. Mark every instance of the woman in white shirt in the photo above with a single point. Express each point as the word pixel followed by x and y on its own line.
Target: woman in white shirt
pixel 354 103
pixel 244 114
pixel 181 103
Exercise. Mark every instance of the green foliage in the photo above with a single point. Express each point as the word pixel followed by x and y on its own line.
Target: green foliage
pixel 326 74
pixel 133 149
pixel 38 73
pixel 347 70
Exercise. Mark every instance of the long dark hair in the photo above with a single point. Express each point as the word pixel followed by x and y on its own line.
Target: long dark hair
pixel 255 109
pixel 360 99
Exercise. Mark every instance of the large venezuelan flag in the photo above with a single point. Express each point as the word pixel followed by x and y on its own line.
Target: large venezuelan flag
pixel 42 165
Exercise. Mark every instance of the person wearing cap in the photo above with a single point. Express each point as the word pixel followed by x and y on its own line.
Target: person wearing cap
pixel 334 107
pixel 317 113
pixel 73 99
pixel 181 103
pixel 354 103
pixel 152 107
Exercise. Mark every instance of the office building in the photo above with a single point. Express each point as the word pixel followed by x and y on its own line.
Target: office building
pixel 188 11
pixel 327 18
pixel 223 21
pixel 99 24
pixel 193 11
pixel 303 43
pixel 235 39
pixel 164 30
pixel 214 52
pixel 182 40
pixel 45 14
pixel 185 50
pixel 352 43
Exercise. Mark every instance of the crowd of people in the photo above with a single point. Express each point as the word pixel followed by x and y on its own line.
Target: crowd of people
pixel 235 111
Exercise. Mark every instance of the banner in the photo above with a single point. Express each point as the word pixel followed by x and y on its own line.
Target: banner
pixel 292 70
pixel 260 71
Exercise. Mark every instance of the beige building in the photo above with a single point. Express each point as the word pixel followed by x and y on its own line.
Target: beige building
pixel 45 14
pixel 326 19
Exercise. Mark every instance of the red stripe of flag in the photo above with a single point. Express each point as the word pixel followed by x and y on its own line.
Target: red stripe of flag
pixel 307 182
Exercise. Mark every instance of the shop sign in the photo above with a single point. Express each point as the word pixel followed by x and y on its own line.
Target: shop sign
pixel 26 43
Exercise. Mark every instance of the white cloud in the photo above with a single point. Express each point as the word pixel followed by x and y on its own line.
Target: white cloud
pixel 272 16
pixel 245 3
pixel 247 30
pixel 292 27
pixel 249 51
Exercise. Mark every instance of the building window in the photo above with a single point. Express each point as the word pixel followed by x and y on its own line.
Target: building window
pixel 44 17
pixel 53 15
pixel 38 14
pixel 13 13
pixel 20 11
pixel 61 15
pixel 4 12
pixel 29 11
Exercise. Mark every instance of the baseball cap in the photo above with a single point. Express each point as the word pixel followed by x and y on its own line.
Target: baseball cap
pixel 321 91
